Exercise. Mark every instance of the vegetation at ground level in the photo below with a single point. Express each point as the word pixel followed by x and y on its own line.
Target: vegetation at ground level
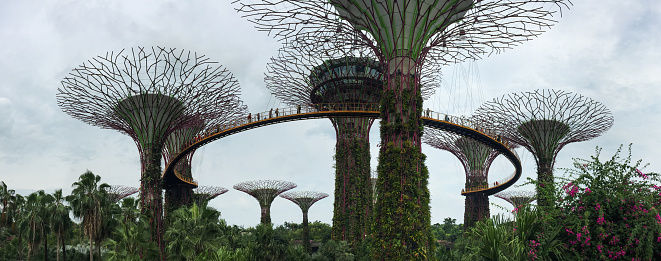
pixel 603 210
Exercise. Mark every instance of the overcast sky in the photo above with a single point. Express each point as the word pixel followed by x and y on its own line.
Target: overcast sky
pixel 603 49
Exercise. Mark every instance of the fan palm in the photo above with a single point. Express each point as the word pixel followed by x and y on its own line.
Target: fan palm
pixel 35 218
pixel 6 196
pixel 60 221
pixel 89 202
pixel 193 231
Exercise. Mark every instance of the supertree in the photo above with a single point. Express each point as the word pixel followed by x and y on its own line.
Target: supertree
pixel 403 34
pixel 205 193
pixel 118 192
pixel 265 191
pixel 179 187
pixel 543 122
pixel 345 76
pixel 476 158
pixel 517 198
pixel 147 93
pixel 304 199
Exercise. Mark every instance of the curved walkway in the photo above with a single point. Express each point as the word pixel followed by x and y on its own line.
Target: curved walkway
pixel 458 125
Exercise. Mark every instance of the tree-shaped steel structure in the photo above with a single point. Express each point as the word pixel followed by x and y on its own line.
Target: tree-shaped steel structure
pixel 206 193
pixel 517 198
pixel 118 192
pixel 476 158
pixel 179 187
pixel 543 122
pixel 403 34
pixel 147 93
pixel 265 191
pixel 304 199
pixel 341 75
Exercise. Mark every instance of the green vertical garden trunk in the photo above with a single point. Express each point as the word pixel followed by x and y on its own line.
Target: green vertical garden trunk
pixel 402 214
pixel 351 215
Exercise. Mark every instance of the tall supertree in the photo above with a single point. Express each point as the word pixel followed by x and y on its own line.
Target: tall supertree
pixel 403 34
pixel 118 192
pixel 147 93
pixel 517 198
pixel 304 199
pixel 205 193
pixel 265 191
pixel 476 158
pixel 344 76
pixel 543 122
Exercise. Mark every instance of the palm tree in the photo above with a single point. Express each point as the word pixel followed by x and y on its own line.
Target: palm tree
pixel 89 201
pixel 60 222
pixel 193 232
pixel 6 196
pixel 35 218
pixel 131 241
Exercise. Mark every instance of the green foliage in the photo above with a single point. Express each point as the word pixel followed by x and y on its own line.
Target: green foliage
pixel 609 209
pixel 193 232
pixel 353 189
pixel 130 241
pixel 401 229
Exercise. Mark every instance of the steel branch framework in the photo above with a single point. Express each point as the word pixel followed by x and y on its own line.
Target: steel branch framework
pixel 118 192
pixel 544 121
pixel 304 199
pixel 265 191
pixel 148 93
pixel 206 193
pixel 517 198
pixel 476 158
pixel 403 34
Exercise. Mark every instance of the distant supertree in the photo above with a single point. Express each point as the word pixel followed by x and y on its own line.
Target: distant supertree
pixel 147 93
pixel 206 193
pixel 517 198
pixel 346 76
pixel 265 191
pixel 543 122
pixel 476 158
pixel 304 199
pixel 118 192
pixel 404 34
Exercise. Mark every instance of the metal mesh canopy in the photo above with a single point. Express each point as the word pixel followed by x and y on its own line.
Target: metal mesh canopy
pixel 475 157
pixel 304 199
pixel 517 198
pixel 265 191
pixel 118 192
pixel 544 121
pixel 147 90
pixel 448 30
pixel 302 74
pixel 209 192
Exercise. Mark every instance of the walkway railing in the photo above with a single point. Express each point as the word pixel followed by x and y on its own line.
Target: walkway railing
pixel 460 125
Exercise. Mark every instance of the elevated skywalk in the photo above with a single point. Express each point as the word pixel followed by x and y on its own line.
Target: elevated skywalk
pixel 430 119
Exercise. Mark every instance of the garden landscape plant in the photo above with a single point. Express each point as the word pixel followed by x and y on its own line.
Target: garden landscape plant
pixel 610 209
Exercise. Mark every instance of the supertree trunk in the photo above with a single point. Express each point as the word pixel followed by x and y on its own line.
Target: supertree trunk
pixel 150 197
pixel 477 208
pixel 266 214
pixel 306 233
pixel 178 195
pixel 402 214
pixel 352 206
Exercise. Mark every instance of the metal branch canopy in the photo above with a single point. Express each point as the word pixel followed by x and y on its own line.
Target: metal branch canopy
pixel 148 93
pixel 265 191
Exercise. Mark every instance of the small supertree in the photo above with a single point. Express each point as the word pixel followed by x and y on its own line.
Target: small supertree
pixel 304 199
pixel 147 93
pixel 543 122
pixel 265 191
pixel 403 34
pixel 118 192
pixel 346 76
pixel 517 198
pixel 206 193
pixel 476 158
